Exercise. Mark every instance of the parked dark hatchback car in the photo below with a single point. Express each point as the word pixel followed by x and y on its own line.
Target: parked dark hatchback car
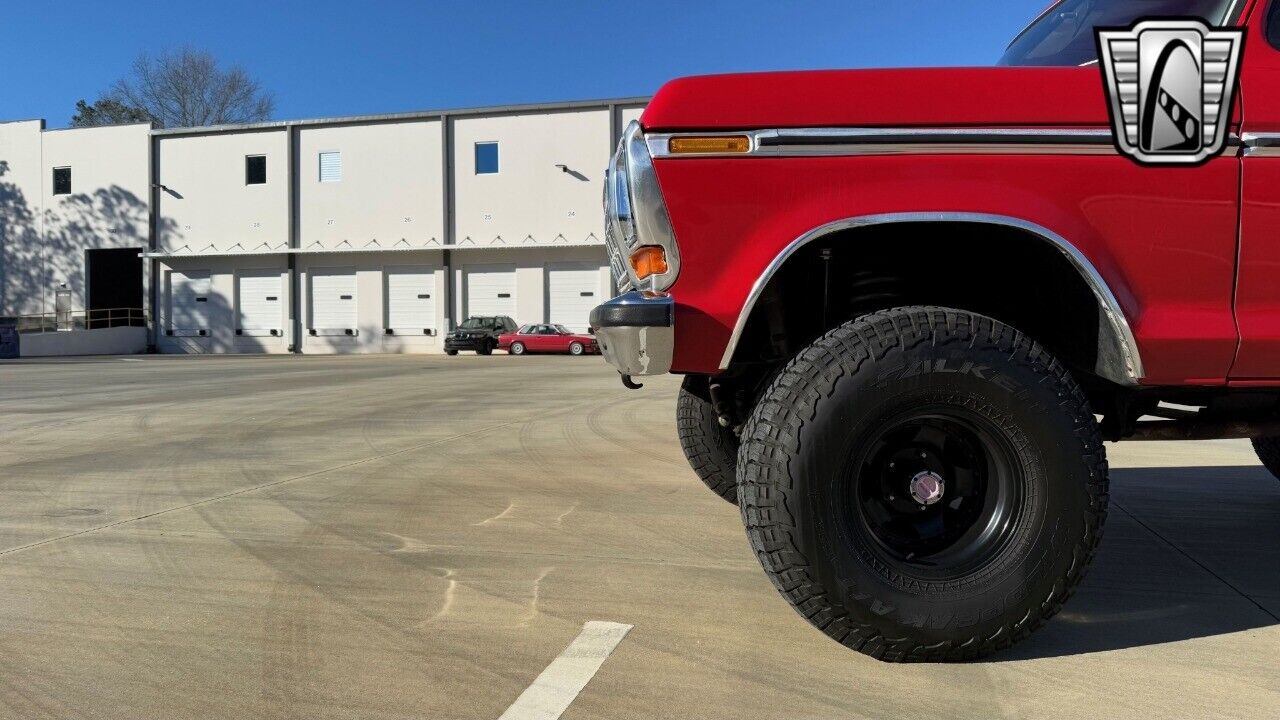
pixel 478 333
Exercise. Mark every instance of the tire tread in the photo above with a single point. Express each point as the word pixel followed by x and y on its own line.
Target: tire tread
pixel 711 450
pixel 772 434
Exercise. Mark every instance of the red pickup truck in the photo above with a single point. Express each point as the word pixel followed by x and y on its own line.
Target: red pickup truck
pixel 910 305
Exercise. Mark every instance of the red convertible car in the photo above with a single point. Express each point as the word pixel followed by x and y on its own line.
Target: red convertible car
pixel 547 339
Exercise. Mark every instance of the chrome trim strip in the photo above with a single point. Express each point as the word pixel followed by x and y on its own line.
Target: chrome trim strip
pixel 1117 325
pixel 1261 144
pixel 809 142
pixel 820 142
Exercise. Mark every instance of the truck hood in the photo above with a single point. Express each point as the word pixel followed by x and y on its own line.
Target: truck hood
pixel 924 97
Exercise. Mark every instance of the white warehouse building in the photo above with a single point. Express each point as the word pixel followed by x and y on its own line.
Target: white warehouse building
pixel 359 234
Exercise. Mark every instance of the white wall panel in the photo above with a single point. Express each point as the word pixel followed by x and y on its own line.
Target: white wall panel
pixel 24 283
pixel 208 205
pixel 530 196
pixel 388 193
pixel 43 237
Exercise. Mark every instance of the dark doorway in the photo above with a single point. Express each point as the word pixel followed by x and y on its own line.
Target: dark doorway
pixel 113 290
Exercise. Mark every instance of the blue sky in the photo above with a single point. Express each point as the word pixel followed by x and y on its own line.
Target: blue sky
pixel 347 57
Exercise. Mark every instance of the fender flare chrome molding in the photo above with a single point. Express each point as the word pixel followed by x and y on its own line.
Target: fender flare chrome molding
pixel 1118 356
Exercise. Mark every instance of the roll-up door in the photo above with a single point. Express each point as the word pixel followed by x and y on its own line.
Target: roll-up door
pixel 572 291
pixel 260 303
pixel 411 300
pixel 333 301
pixel 189 303
pixel 491 290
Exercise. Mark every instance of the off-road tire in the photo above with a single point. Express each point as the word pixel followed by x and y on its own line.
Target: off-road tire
pixel 805 429
pixel 712 449
pixel 1268 450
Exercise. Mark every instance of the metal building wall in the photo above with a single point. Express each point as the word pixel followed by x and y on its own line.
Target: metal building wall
pixel 43 237
pixel 408 200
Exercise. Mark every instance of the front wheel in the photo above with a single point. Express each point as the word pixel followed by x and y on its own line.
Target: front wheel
pixel 484 348
pixel 1268 450
pixel 710 447
pixel 450 352
pixel 517 348
pixel 576 348
pixel 924 484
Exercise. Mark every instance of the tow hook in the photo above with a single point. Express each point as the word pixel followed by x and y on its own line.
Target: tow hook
pixel 630 384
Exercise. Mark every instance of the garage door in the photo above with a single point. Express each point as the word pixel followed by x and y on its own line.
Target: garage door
pixel 411 300
pixel 189 303
pixel 491 290
pixel 572 291
pixel 260 303
pixel 333 301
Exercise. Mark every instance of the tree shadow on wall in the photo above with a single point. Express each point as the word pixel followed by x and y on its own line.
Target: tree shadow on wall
pixel 43 248
pixel 20 279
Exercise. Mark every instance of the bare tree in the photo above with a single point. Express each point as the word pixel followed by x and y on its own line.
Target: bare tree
pixel 187 88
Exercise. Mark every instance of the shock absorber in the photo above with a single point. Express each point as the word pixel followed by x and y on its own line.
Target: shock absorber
pixel 722 403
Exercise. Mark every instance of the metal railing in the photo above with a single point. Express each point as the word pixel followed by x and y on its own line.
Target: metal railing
pixel 79 320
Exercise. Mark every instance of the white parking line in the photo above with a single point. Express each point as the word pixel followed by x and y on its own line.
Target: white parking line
pixel 552 692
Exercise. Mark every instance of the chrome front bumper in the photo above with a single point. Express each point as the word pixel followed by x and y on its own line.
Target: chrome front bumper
pixel 636 332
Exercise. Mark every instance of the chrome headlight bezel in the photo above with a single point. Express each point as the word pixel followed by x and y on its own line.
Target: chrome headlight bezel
pixel 636 214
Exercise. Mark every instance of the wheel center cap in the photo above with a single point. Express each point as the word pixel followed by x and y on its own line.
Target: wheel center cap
pixel 927 487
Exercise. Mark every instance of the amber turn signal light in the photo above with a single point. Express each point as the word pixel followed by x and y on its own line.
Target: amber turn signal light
pixel 709 145
pixel 649 260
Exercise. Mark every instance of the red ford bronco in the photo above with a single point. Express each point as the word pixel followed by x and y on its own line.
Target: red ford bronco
pixel 909 306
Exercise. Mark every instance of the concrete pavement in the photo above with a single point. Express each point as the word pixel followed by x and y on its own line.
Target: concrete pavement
pixel 419 537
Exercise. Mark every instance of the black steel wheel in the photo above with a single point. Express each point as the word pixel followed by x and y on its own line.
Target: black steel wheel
pixel 923 484
pixel 938 489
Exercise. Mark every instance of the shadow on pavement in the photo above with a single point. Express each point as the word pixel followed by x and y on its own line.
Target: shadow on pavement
pixel 1188 552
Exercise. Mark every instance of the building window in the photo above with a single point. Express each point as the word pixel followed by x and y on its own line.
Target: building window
pixel 62 181
pixel 330 167
pixel 486 158
pixel 255 170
